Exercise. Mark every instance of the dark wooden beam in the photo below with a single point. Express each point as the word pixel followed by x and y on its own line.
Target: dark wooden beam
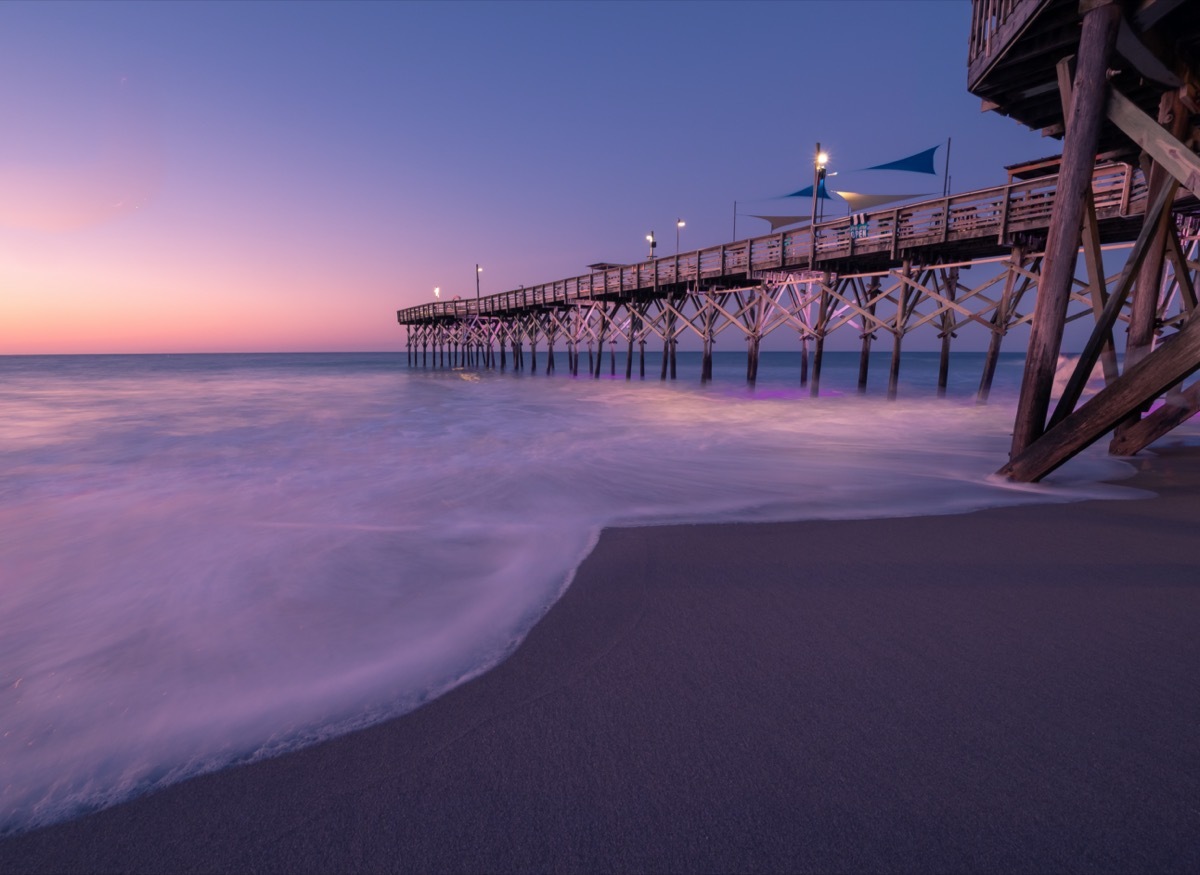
pixel 1175 360
pixel 1176 158
pixel 1176 410
pixel 1062 245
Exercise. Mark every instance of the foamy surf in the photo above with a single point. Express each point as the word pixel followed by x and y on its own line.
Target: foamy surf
pixel 211 559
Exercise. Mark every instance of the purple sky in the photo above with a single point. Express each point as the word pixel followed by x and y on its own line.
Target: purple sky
pixel 284 176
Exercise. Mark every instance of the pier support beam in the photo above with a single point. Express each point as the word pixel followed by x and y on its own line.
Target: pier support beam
pixel 1082 131
pixel 1000 320
pixel 864 355
pixel 1143 309
pixel 1173 361
pixel 599 344
pixel 950 288
pixel 819 331
pixel 631 309
pixel 902 311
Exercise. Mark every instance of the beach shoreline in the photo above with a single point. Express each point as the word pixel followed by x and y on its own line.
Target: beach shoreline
pixel 1007 689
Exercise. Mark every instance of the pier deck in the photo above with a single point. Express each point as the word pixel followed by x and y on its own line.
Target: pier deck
pixel 974 226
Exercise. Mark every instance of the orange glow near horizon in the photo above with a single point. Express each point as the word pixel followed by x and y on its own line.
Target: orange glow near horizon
pixel 237 304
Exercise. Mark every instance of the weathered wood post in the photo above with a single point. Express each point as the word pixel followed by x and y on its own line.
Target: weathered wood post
pixel 642 342
pixel 898 331
pixel 600 342
pixel 864 355
pixel 753 336
pixel 709 318
pixel 1082 131
pixel 1143 305
pixel 950 288
pixel 1000 320
pixel 573 341
pixel 820 328
pixel 803 360
pixel 674 335
pixel 629 308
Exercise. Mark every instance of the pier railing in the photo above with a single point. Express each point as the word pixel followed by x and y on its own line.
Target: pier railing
pixel 995 25
pixel 984 218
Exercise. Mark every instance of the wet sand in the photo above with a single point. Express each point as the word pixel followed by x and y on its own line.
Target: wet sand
pixel 1012 690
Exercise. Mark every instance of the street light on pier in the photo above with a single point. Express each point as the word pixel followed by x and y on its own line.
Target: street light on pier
pixel 437 292
pixel 478 271
pixel 653 243
pixel 679 223
pixel 820 159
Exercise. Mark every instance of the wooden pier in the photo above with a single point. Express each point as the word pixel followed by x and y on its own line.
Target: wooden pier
pixel 1125 180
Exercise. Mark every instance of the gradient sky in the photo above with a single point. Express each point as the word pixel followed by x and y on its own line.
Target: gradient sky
pixel 283 176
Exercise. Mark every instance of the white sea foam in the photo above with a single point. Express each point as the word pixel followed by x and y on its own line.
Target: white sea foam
pixel 211 560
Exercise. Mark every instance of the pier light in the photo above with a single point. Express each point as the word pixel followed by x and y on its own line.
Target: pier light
pixel 478 271
pixel 653 243
pixel 679 223
pixel 820 161
pixel 437 291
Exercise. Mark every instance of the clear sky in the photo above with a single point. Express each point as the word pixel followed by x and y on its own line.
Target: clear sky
pixel 284 176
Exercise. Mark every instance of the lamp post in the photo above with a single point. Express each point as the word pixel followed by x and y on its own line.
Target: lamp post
pixel 437 292
pixel 679 223
pixel 820 159
pixel 653 243
pixel 478 271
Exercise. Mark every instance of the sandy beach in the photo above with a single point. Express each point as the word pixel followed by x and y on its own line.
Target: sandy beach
pixel 1009 690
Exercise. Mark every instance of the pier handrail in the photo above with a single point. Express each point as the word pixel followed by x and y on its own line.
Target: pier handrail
pixel 995 25
pixel 987 214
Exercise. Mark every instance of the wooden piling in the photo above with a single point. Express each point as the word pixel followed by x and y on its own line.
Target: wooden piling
pixel 864 355
pixel 820 329
pixel 707 317
pixel 629 343
pixel 898 332
pixel 1082 132
pixel 600 342
pixel 1173 361
pixel 753 335
pixel 950 287
pixel 999 325
pixel 674 335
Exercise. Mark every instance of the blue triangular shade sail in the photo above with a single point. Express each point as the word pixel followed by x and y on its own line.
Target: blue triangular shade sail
pixel 807 192
pixel 922 162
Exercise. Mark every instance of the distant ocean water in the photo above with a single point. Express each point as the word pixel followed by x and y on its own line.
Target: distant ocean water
pixel 210 559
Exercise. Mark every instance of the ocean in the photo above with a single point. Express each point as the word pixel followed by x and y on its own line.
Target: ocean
pixel 211 559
